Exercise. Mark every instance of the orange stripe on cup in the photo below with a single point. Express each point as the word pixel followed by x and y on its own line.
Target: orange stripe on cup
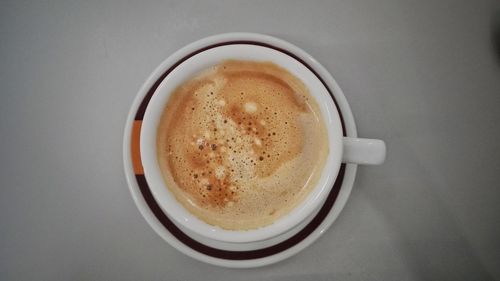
pixel 135 147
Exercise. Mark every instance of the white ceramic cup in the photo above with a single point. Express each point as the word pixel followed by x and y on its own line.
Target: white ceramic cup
pixel 342 149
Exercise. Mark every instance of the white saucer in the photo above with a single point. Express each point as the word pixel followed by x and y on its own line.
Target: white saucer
pixel 228 254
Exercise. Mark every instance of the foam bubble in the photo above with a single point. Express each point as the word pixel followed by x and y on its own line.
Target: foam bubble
pixel 250 107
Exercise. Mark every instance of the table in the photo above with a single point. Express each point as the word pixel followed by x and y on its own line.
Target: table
pixel 422 75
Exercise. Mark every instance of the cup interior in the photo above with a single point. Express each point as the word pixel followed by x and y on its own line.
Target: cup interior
pixel 194 65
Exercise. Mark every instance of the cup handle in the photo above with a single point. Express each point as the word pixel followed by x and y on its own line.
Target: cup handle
pixel 363 151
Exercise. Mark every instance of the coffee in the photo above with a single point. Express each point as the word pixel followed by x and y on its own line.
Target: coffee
pixel 241 144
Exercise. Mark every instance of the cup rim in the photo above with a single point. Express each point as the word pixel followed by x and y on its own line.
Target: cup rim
pixel 159 188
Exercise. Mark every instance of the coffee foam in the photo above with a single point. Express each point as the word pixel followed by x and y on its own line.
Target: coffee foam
pixel 241 144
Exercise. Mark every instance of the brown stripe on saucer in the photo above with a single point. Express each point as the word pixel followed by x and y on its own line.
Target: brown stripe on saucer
pixel 240 255
pixel 178 233
pixel 135 148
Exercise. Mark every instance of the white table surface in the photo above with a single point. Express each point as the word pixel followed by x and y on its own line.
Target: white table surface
pixel 422 75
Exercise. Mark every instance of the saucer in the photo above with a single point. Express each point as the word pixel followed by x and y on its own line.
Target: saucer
pixel 235 255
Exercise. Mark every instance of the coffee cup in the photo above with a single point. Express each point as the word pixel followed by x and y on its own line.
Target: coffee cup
pixel 201 55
